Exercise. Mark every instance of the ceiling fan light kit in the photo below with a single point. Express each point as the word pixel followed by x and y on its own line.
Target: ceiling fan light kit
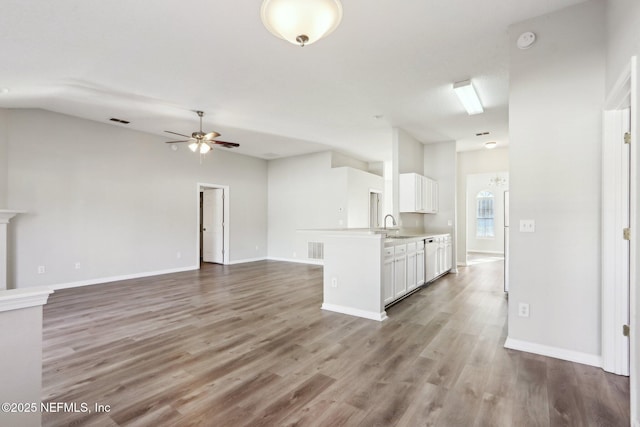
pixel 301 22
pixel 201 142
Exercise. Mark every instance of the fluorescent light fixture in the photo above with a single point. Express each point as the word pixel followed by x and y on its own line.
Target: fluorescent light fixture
pixel 468 97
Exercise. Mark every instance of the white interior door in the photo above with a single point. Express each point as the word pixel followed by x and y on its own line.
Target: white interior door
pixel 213 225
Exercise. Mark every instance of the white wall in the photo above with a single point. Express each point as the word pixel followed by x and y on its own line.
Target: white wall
pixel 475 184
pixel 440 164
pixel 408 157
pixel 473 162
pixel 339 160
pixel 21 364
pixel 118 202
pixel 306 193
pixel 3 159
pixel 301 196
pixel 623 37
pixel 555 106
pixel 359 184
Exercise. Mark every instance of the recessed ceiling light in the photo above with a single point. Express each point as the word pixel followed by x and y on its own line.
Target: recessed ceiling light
pixel 491 144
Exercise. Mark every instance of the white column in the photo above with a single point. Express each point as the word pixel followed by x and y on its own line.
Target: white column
pixel 5 216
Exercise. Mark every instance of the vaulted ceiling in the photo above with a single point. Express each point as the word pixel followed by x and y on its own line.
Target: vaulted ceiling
pixel 389 64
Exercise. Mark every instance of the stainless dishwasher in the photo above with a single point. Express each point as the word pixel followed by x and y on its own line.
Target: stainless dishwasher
pixel 430 259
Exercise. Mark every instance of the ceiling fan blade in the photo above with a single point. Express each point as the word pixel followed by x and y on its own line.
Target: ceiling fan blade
pixel 171 142
pixel 179 134
pixel 226 144
pixel 211 135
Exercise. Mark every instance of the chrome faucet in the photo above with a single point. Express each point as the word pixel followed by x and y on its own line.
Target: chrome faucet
pixel 392 219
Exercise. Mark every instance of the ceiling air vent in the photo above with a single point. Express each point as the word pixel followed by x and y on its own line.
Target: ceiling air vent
pixel 482 133
pixel 124 122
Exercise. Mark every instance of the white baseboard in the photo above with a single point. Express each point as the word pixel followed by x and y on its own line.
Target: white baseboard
pixel 123 277
pixel 299 261
pixel 246 260
pixel 15 299
pixel 555 352
pixel 372 315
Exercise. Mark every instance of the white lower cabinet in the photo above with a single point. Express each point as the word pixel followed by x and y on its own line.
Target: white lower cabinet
pixel 388 294
pixel 448 254
pixel 410 264
pixel 400 270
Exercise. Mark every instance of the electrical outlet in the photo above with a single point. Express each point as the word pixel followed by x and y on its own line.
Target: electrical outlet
pixel 523 309
pixel 334 282
pixel 41 269
pixel 77 266
pixel 178 255
pixel 527 226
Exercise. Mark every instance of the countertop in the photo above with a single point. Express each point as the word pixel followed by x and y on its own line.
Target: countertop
pixel 388 233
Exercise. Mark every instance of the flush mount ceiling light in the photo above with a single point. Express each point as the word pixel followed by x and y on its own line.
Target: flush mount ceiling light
pixel 468 97
pixel 490 145
pixel 301 22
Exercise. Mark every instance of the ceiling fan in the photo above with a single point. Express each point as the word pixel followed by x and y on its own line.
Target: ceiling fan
pixel 202 142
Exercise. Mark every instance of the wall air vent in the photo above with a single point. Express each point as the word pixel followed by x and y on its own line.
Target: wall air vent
pixel 124 122
pixel 315 250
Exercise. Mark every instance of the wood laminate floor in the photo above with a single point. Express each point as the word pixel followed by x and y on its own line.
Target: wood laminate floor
pixel 248 345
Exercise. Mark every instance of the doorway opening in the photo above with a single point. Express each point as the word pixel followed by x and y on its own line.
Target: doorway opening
pixel 487 219
pixel 375 209
pixel 213 224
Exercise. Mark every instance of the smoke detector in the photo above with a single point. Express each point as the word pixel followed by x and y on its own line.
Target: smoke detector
pixel 526 40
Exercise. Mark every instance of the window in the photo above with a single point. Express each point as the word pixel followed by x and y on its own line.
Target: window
pixel 484 215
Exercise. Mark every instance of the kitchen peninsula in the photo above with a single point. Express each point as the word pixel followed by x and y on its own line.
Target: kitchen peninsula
pixel 366 270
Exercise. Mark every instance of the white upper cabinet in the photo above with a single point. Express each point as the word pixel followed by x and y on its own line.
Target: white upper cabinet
pixel 418 193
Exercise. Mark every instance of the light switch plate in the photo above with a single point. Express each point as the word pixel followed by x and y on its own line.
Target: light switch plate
pixel 527 226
